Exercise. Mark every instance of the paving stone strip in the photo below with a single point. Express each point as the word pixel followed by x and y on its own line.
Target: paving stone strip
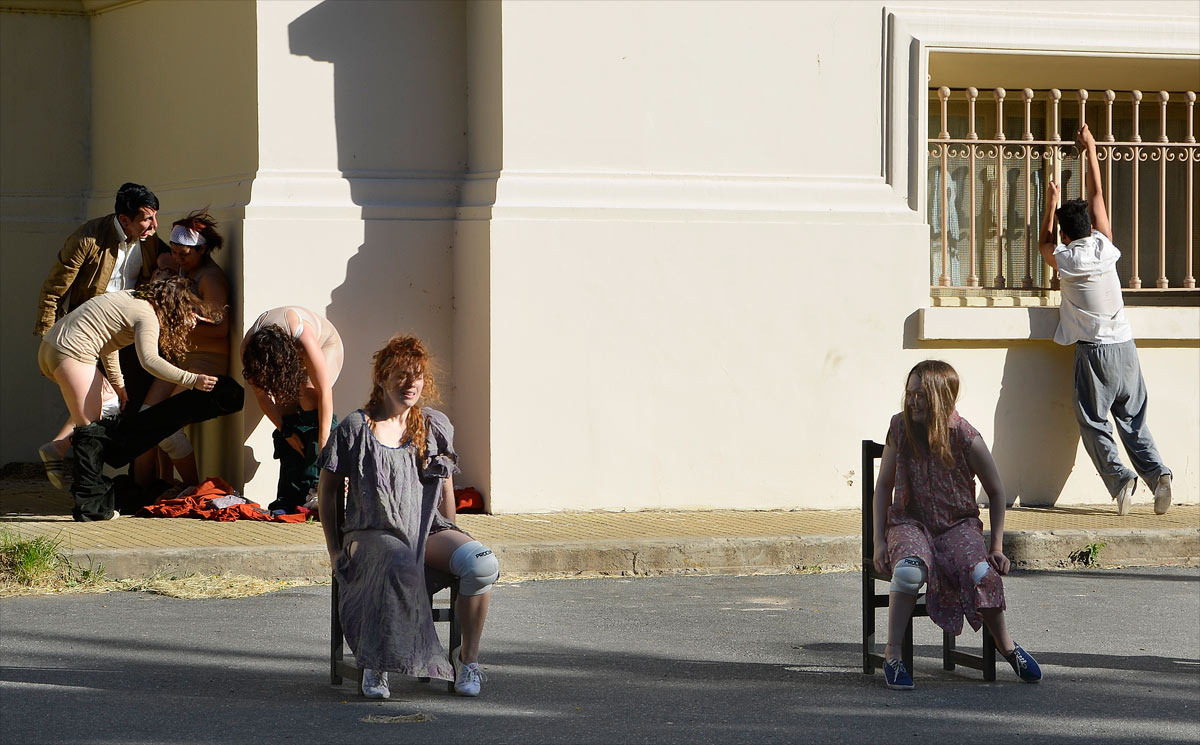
pixel 588 543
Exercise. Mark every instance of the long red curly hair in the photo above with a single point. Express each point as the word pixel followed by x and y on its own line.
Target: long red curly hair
pixel 403 359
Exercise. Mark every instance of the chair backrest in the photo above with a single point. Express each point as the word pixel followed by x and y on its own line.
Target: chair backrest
pixel 871 451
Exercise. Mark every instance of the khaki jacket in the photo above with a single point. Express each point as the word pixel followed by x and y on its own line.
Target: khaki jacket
pixel 82 269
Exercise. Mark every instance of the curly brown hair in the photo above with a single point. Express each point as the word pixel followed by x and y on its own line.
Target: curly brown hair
pixel 273 362
pixel 939 384
pixel 204 224
pixel 176 307
pixel 402 360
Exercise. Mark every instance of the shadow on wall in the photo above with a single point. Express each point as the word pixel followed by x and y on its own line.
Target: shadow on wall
pixel 400 98
pixel 1036 435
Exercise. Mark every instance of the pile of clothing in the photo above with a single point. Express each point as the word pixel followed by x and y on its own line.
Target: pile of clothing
pixel 215 499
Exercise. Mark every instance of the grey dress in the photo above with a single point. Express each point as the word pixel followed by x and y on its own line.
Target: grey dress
pixel 391 507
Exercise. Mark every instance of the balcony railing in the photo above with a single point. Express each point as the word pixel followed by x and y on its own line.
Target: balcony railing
pixel 986 194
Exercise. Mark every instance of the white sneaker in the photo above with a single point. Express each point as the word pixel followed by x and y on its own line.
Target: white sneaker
pixel 375 684
pixel 467 676
pixel 55 466
pixel 1162 494
pixel 114 516
pixel 1125 496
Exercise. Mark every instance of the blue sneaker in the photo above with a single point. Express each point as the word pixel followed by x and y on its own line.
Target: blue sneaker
pixel 897 675
pixel 1024 665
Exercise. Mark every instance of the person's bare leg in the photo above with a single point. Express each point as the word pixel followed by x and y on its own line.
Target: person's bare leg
pixel 993 618
pixel 80 385
pixel 64 433
pixel 471 609
pixel 186 466
pixel 900 610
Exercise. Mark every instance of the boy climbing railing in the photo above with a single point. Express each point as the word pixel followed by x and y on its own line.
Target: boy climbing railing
pixel 984 204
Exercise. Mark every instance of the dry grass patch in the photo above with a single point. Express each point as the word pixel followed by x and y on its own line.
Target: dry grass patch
pixel 206 586
pixel 39 566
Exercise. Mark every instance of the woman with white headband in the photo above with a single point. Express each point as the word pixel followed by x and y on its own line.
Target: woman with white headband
pixel 193 239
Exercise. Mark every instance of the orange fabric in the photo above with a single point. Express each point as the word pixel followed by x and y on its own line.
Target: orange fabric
pixel 196 505
pixel 468 500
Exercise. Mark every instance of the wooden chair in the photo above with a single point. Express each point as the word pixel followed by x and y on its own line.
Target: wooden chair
pixel 341 664
pixel 871 599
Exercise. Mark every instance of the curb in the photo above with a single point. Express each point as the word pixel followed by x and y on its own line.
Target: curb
pixel 659 556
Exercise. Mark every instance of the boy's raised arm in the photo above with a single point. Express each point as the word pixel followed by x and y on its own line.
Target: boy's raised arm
pixel 1095 195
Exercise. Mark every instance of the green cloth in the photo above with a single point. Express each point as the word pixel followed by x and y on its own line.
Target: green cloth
pixel 298 472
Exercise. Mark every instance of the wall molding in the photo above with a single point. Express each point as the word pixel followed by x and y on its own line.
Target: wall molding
pixel 1150 323
pixel 646 196
pixel 911 33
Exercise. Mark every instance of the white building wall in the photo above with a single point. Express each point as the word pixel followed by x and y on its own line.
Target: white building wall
pixel 666 252
pixel 44 179
pixel 704 292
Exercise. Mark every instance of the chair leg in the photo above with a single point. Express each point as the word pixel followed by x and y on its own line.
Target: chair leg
pixel 335 637
pixel 948 650
pixel 906 653
pixel 989 656
pixel 868 622
pixel 455 631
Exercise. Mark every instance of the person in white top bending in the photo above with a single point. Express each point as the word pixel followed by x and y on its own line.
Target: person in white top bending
pixel 1108 376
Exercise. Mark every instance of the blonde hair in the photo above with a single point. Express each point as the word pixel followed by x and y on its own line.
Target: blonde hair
pixel 404 356
pixel 939 383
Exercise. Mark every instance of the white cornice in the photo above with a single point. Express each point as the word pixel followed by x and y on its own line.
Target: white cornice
pixel 911 33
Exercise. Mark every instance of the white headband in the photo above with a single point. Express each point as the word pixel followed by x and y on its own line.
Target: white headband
pixel 185 236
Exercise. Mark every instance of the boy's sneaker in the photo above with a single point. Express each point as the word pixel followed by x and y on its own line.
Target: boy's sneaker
pixel 1162 494
pixel 467 675
pixel 1125 496
pixel 1024 665
pixel 375 684
pixel 897 676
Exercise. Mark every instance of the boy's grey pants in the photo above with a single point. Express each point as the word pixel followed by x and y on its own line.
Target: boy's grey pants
pixel 1108 378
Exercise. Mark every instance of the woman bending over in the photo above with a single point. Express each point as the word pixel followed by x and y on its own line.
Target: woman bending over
pixel 930 531
pixel 156 318
pixel 399 458
pixel 291 357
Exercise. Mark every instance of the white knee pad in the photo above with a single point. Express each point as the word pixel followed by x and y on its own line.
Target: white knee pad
pixel 980 571
pixel 908 576
pixel 177 445
pixel 476 568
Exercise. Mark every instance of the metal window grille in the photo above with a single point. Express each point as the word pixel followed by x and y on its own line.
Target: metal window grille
pixel 989 162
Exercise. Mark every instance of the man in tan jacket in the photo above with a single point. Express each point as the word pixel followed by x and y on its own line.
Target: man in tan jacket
pixel 110 253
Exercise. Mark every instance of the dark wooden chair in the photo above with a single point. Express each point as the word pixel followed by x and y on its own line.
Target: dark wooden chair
pixel 341 663
pixel 871 600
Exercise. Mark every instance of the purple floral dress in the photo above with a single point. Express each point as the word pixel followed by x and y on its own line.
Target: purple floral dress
pixel 934 518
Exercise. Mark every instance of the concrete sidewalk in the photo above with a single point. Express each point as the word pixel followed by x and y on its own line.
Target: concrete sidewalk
pixel 590 543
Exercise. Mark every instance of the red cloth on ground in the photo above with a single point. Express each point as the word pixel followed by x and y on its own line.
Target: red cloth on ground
pixel 197 505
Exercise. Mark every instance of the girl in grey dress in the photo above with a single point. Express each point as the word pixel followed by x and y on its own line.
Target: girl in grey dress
pixel 399 459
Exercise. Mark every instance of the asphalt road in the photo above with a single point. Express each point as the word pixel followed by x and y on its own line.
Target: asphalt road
pixel 690 659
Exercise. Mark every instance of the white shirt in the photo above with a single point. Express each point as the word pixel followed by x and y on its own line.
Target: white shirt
pixel 1092 308
pixel 129 262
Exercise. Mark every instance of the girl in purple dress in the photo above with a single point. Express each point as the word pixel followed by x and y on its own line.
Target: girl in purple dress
pixel 930 530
